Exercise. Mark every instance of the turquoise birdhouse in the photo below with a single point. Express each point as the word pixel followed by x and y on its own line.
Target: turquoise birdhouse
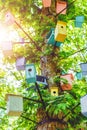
pixel 79 21
pixel 79 75
pixel 58 44
pixel 50 38
pixel 30 72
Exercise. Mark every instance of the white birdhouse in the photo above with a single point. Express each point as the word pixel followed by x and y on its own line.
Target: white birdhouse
pixel 14 104
pixel 7 48
pixel 30 72
pixel 20 63
pixel 83 102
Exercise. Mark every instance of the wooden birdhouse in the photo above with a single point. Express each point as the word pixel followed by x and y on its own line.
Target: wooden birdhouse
pixel 84 68
pixel 68 85
pixel 60 31
pixel 61 7
pixel 9 18
pixel 54 91
pixel 83 103
pixel 14 104
pixel 50 38
pixel 79 21
pixel 20 63
pixel 30 72
pixel 41 80
pixel 79 75
pixel 46 3
pixel 7 48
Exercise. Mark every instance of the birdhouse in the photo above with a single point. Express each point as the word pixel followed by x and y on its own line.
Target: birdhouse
pixel 68 85
pixel 50 38
pixel 20 63
pixel 9 18
pixel 79 21
pixel 7 48
pixel 54 91
pixel 61 7
pixel 60 31
pixel 79 75
pixel 46 3
pixel 14 104
pixel 58 44
pixel 22 40
pixel 84 68
pixel 41 79
pixel 83 103
pixel 30 72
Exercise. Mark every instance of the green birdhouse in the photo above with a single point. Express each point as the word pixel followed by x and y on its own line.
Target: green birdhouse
pixel 30 72
pixel 14 104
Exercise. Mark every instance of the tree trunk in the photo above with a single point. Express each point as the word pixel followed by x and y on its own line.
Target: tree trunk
pixel 49 68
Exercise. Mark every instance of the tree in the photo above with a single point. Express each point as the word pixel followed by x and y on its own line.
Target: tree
pixel 33 22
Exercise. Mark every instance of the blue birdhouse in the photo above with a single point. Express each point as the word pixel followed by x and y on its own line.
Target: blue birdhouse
pixel 83 103
pixel 79 21
pixel 30 72
pixel 41 79
pixel 79 75
pixel 84 68
pixel 50 38
pixel 20 63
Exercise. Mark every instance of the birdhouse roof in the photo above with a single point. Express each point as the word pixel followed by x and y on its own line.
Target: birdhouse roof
pixel 7 95
pixel 61 22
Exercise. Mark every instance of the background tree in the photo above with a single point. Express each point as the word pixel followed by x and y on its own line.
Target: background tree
pixel 33 22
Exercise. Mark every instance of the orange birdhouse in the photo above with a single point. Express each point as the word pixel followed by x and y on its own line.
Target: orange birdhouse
pixel 54 91
pixel 46 3
pixel 60 31
pixel 61 7
pixel 68 85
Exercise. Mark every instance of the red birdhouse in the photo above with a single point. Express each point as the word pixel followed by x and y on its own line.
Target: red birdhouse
pixel 68 85
pixel 46 3
pixel 61 7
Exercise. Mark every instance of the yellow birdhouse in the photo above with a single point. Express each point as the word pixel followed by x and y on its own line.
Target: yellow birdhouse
pixel 54 91
pixel 60 31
